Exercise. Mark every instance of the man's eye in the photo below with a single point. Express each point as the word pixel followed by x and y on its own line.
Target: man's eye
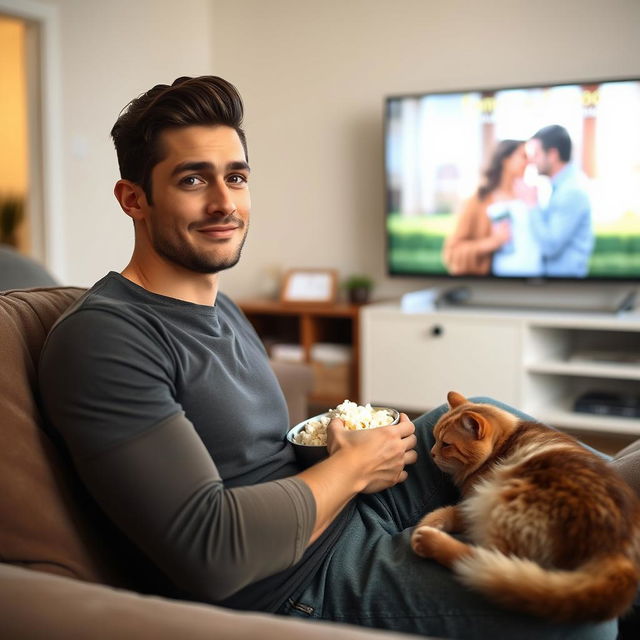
pixel 191 181
pixel 237 178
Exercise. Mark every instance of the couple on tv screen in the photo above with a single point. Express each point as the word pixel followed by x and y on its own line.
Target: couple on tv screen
pixel 504 229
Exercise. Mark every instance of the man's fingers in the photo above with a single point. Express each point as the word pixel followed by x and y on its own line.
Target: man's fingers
pixel 410 442
pixel 411 457
pixel 405 427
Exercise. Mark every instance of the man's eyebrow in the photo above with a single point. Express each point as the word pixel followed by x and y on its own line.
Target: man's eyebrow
pixel 236 165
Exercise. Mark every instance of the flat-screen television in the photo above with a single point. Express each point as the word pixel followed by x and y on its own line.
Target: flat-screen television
pixel 536 182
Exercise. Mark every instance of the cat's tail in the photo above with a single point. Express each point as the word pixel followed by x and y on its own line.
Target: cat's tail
pixel 601 589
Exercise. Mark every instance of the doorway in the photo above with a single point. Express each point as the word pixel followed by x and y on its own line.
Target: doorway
pixel 14 147
pixel 31 132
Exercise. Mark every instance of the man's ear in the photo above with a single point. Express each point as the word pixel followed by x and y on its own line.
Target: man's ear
pixel 131 198
pixel 554 156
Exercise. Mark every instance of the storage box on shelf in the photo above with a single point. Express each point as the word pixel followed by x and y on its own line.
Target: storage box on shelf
pixel 540 362
pixel 324 334
pixel 332 366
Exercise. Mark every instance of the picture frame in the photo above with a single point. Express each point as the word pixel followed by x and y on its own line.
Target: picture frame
pixel 309 286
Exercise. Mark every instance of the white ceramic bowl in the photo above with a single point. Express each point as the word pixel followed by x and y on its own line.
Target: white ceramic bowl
pixel 308 454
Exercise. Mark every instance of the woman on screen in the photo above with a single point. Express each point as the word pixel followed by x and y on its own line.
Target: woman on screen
pixel 492 231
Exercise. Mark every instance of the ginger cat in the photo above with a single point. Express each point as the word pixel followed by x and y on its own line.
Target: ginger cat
pixel 554 531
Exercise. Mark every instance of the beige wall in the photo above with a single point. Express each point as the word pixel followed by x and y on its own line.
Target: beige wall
pixel 314 75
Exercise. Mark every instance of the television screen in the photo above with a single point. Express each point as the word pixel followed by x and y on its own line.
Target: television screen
pixel 532 182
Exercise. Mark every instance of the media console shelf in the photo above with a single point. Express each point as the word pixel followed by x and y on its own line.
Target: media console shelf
pixel 307 325
pixel 539 362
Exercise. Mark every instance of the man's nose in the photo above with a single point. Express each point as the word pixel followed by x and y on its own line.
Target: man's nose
pixel 221 201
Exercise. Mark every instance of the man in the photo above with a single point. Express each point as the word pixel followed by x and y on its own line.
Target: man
pixel 175 423
pixel 563 228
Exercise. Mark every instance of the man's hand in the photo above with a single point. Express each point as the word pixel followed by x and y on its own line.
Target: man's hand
pixel 380 455
pixel 359 461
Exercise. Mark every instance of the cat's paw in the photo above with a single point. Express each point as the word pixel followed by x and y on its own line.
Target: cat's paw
pixel 425 540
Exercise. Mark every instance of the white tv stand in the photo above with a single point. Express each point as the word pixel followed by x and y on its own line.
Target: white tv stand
pixel 537 361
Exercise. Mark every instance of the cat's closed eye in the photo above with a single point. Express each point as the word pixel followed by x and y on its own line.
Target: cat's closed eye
pixel 444 445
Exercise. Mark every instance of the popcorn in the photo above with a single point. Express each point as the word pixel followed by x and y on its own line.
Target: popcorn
pixel 354 416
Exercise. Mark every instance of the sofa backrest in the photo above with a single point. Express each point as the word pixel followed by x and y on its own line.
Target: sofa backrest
pixel 46 522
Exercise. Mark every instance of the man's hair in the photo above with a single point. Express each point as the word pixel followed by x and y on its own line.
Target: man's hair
pixel 555 137
pixel 206 100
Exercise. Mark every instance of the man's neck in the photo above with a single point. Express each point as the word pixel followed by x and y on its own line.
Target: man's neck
pixel 173 282
pixel 557 169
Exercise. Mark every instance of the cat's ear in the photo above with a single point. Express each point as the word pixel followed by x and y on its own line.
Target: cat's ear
pixel 475 424
pixel 455 399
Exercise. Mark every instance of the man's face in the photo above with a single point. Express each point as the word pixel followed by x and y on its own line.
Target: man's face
pixel 540 157
pixel 200 213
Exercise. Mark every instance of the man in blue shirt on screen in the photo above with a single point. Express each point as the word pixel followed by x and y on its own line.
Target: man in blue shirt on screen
pixel 563 229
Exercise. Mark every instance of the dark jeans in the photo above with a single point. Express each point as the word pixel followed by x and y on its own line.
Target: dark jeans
pixel 372 578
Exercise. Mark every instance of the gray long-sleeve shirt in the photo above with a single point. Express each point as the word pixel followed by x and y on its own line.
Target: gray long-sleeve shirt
pixel 176 424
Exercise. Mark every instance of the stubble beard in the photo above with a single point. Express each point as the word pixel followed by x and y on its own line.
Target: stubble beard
pixel 193 260
pixel 544 168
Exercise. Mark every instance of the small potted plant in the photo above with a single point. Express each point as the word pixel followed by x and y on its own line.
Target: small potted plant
pixel 11 215
pixel 358 288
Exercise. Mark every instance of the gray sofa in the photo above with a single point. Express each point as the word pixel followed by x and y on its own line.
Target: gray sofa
pixel 20 271
pixel 62 572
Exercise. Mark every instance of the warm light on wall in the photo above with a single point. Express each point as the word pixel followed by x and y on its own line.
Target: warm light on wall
pixel 13 113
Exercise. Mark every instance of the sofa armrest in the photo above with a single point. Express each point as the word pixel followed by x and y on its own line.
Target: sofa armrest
pixel 627 464
pixel 35 605
pixel 296 382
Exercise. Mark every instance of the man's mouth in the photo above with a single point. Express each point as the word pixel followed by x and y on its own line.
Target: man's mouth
pixel 218 232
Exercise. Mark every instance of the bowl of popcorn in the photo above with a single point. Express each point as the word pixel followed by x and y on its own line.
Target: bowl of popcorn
pixel 309 437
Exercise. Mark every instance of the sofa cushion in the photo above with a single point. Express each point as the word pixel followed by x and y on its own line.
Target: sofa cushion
pixel 46 521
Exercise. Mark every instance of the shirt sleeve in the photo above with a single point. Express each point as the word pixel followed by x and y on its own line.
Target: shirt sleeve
pixel 555 226
pixel 164 491
pixel 106 388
